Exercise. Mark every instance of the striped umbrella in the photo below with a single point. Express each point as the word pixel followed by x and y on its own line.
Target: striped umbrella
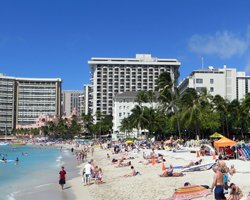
pixel 190 192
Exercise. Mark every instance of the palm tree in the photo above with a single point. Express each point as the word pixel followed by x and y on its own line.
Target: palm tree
pixel 191 110
pixel 221 105
pixel 156 121
pixel 169 96
pixel 138 118
pixel 142 97
pixel 126 125
pixel 197 113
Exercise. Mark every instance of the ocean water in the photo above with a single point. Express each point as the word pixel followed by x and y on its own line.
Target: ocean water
pixel 38 166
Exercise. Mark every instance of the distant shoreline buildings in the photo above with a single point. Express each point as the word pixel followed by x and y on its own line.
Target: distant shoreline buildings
pixel 22 100
pixel 114 85
pixel 71 101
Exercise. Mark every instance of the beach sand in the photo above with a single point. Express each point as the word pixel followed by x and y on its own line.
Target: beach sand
pixel 149 185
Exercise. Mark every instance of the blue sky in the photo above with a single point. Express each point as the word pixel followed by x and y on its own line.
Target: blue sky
pixel 56 38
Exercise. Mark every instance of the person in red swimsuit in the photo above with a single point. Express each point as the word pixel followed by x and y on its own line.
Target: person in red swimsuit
pixel 62 178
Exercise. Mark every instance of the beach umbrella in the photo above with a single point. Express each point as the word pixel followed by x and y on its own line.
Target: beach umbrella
pixel 216 135
pixel 224 142
pixel 129 141
pixel 190 192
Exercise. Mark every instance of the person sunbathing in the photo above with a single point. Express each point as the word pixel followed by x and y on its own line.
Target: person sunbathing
pixel 193 164
pixel 235 193
pixel 187 184
pixel 133 173
pixel 170 172
pixel 121 164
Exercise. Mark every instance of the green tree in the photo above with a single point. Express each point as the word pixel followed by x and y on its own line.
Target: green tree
pixel 169 96
pixel 138 118
pixel 126 125
pixel 88 122
pixel 221 106
pixel 142 97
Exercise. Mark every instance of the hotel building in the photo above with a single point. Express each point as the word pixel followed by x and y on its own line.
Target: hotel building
pixel 88 105
pixel 24 99
pixel 71 101
pixel 111 76
pixel 226 82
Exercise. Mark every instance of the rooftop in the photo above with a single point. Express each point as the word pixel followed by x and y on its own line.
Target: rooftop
pixel 139 59
pixel 29 79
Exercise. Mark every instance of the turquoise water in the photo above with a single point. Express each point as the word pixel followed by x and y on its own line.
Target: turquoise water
pixel 38 166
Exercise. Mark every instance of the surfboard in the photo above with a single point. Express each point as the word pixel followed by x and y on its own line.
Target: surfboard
pixel 176 167
pixel 6 161
pixel 199 167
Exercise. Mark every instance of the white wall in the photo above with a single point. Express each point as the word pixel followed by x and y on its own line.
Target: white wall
pixel 122 109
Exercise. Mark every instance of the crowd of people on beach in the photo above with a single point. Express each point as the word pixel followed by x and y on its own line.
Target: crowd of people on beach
pixel 121 154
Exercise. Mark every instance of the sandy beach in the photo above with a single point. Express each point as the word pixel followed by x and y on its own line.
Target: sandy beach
pixel 149 185
pixel 146 186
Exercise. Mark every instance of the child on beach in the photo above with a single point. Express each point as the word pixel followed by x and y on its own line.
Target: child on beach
pixel 99 176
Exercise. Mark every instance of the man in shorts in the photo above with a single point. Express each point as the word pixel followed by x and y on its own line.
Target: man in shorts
pixel 62 177
pixel 87 168
pixel 218 184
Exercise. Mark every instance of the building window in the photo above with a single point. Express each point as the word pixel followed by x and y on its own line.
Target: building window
pixel 211 81
pixel 198 89
pixel 120 114
pixel 211 89
pixel 199 80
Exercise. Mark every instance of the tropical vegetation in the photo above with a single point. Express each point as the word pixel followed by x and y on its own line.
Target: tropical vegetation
pixel 161 114
pixel 191 114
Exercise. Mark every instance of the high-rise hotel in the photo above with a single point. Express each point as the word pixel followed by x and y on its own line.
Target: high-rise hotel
pixel 111 76
pixel 22 100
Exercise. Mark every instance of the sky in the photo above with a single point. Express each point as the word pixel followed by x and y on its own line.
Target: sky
pixel 56 38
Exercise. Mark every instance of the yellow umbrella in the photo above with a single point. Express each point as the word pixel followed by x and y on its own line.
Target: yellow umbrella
pixel 216 135
pixel 129 141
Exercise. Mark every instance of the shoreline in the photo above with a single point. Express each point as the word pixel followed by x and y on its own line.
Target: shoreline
pixel 51 189
pixel 147 186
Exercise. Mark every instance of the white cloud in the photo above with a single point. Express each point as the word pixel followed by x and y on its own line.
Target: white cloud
pixel 225 44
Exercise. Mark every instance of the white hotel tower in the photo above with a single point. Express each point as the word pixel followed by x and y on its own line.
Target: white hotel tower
pixel 111 76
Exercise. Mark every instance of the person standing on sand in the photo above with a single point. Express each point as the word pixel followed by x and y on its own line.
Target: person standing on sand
pixel 62 177
pixel 87 169
pixel 218 184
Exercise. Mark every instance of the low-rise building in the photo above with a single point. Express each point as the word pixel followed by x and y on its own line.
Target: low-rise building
pixel 123 104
